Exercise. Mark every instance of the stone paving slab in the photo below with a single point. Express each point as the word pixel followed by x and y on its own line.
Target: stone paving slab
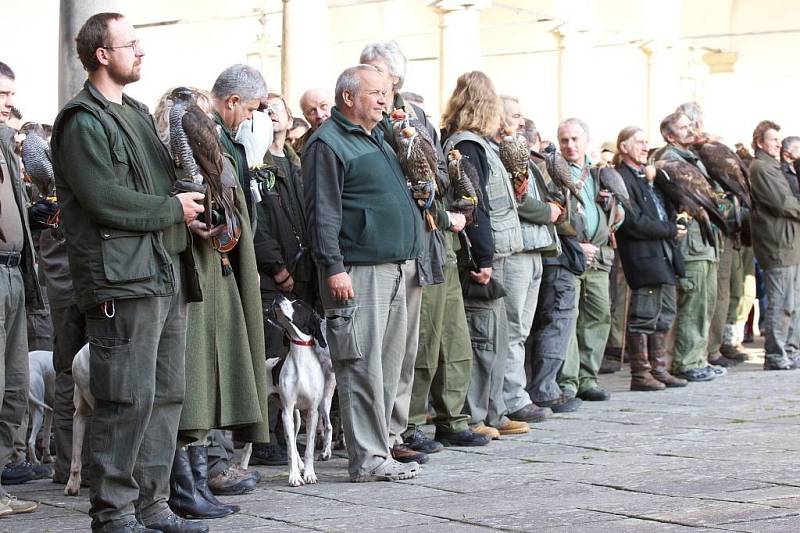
pixel 717 456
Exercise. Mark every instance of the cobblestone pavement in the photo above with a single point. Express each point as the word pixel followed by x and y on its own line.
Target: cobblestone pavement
pixel 718 456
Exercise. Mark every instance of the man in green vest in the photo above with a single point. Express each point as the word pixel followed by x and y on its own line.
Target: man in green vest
pixel 366 234
pixel 126 239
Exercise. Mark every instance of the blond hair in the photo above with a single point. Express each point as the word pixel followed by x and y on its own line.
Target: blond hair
pixel 474 106
pixel 161 113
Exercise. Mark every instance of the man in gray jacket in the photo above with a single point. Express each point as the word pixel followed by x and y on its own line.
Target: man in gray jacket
pixel 776 221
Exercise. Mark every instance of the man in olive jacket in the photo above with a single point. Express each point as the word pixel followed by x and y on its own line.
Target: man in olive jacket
pixel 366 234
pixel 19 290
pixel 124 236
pixel 776 221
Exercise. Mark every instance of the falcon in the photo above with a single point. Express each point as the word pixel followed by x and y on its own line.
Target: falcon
pixel 612 181
pixel 38 162
pixel 558 169
pixel 466 186
pixel 416 151
pixel 688 190
pixel 194 141
pixel 726 169
pixel 514 155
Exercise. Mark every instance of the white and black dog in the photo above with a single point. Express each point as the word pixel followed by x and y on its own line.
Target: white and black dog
pixel 41 397
pixel 305 383
pixel 84 405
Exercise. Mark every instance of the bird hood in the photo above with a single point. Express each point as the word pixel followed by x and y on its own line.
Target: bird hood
pixel 255 135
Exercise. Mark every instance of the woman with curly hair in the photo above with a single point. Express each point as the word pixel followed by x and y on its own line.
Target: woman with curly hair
pixel 471 119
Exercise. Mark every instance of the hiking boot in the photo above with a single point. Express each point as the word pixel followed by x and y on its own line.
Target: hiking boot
pixel 8 501
pixel 418 441
pixel 483 429
pixel 737 354
pixel 16 474
pixel 512 427
pixel 462 438
pixel 563 404
pixel 595 394
pixel 230 482
pixel 531 413
pixel 779 364
pixel 172 523
pixel 641 377
pixel 270 454
pixel 389 470
pixel 404 454
pixel 657 356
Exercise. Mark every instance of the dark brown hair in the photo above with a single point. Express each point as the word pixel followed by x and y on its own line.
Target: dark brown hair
pixel 761 131
pixel 93 35
pixel 5 71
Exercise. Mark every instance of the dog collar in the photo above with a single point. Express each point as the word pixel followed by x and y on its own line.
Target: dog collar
pixel 303 343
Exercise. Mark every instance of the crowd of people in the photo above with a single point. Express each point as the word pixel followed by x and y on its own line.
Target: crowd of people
pixel 480 317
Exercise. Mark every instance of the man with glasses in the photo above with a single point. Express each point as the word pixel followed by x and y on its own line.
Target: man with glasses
pixel 126 238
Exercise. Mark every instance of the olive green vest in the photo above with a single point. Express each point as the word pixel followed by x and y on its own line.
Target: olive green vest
pixel 502 205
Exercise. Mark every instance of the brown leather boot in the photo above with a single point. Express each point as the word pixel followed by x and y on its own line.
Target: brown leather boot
pixel 641 379
pixel 657 353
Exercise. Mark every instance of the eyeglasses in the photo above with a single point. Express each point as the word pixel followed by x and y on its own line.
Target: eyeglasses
pixel 133 45
pixel 274 108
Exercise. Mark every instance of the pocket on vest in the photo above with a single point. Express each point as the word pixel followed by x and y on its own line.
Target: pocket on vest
pixel 127 255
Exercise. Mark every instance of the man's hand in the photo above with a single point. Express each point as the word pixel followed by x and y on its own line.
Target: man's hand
pixel 284 281
pixel 482 276
pixel 41 211
pixel 682 231
pixel 457 221
pixel 555 211
pixel 191 202
pixel 201 229
pixel 589 250
pixel 341 287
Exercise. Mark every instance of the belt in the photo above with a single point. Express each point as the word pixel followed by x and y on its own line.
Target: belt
pixel 10 259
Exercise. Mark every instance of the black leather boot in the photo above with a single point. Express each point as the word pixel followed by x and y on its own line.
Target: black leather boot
pixel 198 458
pixel 184 499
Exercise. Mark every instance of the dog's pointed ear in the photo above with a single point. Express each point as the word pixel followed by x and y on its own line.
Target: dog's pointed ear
pixel 318 335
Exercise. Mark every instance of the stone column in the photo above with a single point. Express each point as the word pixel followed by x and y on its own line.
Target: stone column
pixel 574 42
pixel 662 21
pixel 663 85
pixel 72 15
pixel 305 49
pixel 460 41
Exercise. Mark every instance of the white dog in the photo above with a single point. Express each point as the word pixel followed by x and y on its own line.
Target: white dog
pixel 84 405
pixel 306 383
pixel 41 396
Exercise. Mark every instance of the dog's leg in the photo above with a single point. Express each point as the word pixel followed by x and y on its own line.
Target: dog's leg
pixel 36 423
pixel 247 451
pixel 309 476
pixel 48 426
pixel 297 424
pixel 82 410
pixel 325 417
pixel 291 445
